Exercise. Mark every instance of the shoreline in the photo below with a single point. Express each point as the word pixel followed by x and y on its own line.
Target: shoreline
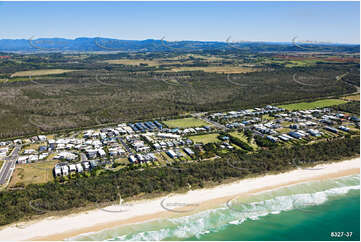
pixel 60 228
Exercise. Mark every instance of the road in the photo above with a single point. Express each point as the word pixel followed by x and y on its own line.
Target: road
pixel 9 165
pixel 218 125
pixel 125 145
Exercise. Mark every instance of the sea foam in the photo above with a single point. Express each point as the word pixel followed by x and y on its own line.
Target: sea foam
pixel 302 197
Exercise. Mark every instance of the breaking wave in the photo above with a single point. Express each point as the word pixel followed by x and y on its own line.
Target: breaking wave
pixel 302 197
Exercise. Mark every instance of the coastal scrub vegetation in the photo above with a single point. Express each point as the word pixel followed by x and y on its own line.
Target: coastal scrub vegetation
pixel 97 91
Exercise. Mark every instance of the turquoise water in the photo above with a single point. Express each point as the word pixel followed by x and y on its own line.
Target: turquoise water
pixel 308 211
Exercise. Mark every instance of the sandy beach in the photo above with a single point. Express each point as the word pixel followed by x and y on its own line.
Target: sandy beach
pixel 60 228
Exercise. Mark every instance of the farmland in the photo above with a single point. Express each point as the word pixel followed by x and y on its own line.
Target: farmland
pixel 40 72
pixel 217 69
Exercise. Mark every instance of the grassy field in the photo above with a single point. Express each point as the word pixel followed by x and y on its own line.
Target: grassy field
pixel 40 72
pixel 243 137
pixel 154 62
pixel 216 69
pixel 40 172
pixel 352 98
pixel 205 138
pixel 133 62
pixel 185 123
pixel 310 105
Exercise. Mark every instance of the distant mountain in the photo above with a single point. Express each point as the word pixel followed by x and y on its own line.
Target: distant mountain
pixel 107 44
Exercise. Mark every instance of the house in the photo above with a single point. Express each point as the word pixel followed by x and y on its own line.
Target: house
pixel 57 171
pixel 65 170
pixel 42 138
pixel 314 132
pixel 140 157
pixel 353 118
pixel 284 138
pixel 271 138
pixel 343 128
pixel 93 164
pixel 28 152
pixel 72 168
pixel 331 129
pixel 18 142
pixel 91 153
pixel 79 168
pixel 188 151
pixel 294 126
pixel 66 156
pixel 22 159
pixel 42 148
pixel 172 154
pixel 101 153
pixel 224 138
pixel 43 156
pixel 159 125
pixel 33 158
pixel 179 153
pixel 86 165
pixel 150 157
pixel 157 146
pixel 132 159
pixel 295 135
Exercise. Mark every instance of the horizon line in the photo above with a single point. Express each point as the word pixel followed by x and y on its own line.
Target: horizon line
pixel 219 41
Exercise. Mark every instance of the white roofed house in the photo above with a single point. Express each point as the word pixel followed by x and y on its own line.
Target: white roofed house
pixel 42 138
pixel 79 168
pixel 43 156
pixel 29 151
pixel 33 158
pixel 23 159
pixel 57 171
pixel 65 170
pixel 18 141
pixel 314 132
pixel 86 165
pixel 67 156
pixel 3 152
pixel 72 168
pixel 91 153
pixel 101 153
pixel 113 151
pixel 140 157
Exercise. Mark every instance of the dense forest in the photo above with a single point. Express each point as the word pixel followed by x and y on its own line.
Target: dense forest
pixel 34 199
pixel 350 107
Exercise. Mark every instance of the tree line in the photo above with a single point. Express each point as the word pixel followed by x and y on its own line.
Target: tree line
pixel 23 204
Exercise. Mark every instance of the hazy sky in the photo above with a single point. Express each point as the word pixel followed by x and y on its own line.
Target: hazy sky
pixel 254 21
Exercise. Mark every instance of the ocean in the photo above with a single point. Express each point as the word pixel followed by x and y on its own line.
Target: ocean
pixel 312 211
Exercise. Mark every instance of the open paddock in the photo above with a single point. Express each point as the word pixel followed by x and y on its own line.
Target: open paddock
pixel 316 104
pixel 185 123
